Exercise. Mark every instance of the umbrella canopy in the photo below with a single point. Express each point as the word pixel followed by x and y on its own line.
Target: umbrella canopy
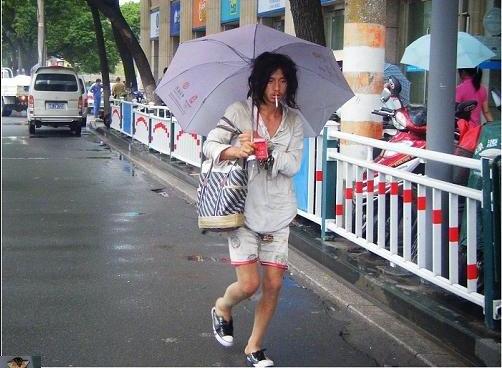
pixel 470 52
pixel 208 74
pixel 393 70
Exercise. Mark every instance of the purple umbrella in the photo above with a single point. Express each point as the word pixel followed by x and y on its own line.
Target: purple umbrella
pixel 207 74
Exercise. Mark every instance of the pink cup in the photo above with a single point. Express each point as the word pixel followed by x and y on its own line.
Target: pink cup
pixel 260 148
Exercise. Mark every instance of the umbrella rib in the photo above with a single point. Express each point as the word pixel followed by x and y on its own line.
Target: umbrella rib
pixel 189 69
pixel 238 53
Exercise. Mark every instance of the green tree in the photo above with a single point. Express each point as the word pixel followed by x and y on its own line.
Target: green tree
pixel 19 33
pixel 131 13
pixel 69 34
pixel 111 10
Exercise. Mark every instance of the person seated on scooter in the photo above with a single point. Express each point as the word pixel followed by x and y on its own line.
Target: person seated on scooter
pixel 470 88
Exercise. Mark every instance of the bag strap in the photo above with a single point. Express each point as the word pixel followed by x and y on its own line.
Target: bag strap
pixel 232 129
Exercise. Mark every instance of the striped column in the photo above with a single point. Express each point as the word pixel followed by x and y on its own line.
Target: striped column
pixel 349 192
pixel 407 202
pixel 472 267
pixel 421 222
pixel 394 213
pixel 363 62
pixel 370 188
pixel 318 175
pixel 437 220
pixel 381 210
pixel 339 194
pixel 358 189
pixel 453 238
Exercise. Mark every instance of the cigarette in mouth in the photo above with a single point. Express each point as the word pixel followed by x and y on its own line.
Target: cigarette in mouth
pixel 276 102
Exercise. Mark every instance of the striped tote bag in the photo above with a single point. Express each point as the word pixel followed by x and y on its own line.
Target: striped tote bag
pixel 221 196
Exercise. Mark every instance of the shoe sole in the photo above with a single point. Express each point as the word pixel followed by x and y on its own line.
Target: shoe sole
pixel 250 364
pixel 218 337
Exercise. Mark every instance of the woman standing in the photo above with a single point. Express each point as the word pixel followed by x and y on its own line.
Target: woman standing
pixel 269 113
pixel 470 88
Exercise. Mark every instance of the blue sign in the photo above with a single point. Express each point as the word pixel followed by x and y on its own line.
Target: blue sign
pixel 413 69
pixel 230 10
pixel 301 179
pixel 490 64
pixel 175 18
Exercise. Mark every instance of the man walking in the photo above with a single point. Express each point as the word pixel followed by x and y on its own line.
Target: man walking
pixel 96 90
pixel 118 89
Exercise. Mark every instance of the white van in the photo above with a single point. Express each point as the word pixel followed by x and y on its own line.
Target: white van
pixel 55 99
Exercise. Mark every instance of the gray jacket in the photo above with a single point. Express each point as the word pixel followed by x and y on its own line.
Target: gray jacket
pixel 271 200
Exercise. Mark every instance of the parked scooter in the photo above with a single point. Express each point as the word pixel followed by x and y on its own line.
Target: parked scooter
pixel 138 96
pixel 407 127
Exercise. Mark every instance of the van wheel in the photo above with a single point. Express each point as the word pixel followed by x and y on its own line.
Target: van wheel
pixel 77 129
pixel 6 111
pixel 32 128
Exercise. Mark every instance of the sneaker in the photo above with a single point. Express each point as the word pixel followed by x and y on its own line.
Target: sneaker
pixel 259 359
pixel 223 330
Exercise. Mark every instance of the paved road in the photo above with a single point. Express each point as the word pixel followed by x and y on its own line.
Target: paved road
pixel 102 266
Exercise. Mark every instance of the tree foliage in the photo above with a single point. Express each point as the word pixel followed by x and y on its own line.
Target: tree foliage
pixel 111 10
pixel 131 13
pixel 69 33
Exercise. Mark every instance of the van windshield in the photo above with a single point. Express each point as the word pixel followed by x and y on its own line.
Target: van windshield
pixel 56 82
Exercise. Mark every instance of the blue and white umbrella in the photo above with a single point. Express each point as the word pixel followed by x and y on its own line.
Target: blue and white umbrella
pixel 470 52
pixel 393 70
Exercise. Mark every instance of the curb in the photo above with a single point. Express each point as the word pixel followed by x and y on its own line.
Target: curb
pixel 346 282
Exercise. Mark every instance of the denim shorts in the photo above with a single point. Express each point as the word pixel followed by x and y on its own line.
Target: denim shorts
pixel 246 247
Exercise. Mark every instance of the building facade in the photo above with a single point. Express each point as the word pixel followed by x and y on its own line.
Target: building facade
pixel 167 23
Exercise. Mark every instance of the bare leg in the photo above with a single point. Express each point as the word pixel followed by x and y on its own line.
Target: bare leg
pixel 248 281
pixel 271 287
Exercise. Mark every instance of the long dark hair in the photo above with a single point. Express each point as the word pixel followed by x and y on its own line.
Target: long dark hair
pixel 263 67
pixel 475 73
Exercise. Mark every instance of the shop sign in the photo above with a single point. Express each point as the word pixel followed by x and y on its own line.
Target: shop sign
pixel 199 11
pixel 154 24
pixel 230 10
pixel 175 18
pixel 265 6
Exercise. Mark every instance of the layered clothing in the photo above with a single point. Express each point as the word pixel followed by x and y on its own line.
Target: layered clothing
pixel 271 201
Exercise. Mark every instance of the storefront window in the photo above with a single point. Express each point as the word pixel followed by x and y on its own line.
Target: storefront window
pixel 418 25
pixel 278 25
pixel 337 24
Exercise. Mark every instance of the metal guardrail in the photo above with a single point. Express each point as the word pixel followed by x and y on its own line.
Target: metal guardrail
pixel 383 209
pixel 380 208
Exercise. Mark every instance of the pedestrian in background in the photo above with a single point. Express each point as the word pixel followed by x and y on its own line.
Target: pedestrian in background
pixel 118 89
pixel 96 90
pixel 271 202
pixel 470 88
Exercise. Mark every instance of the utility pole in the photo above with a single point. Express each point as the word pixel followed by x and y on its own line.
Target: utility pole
pixel 363 62
pixel 441 110
pixel 42 58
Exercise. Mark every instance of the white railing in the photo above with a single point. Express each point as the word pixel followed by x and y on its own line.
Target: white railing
pixel 389 219
pixel 382 209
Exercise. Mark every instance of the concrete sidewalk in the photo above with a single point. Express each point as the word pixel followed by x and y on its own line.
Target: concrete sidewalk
pixel 404 307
